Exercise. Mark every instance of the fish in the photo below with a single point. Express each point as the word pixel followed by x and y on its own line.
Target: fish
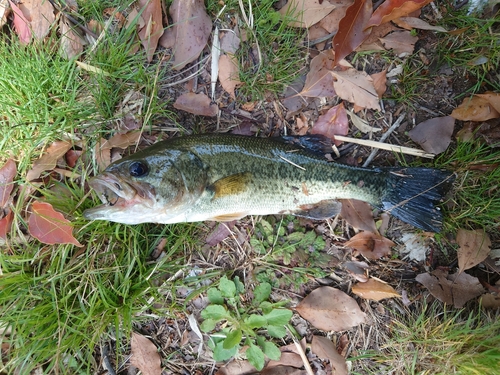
pixel 225 177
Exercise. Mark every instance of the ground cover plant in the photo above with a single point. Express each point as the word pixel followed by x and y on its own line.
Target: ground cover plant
pixel 407 83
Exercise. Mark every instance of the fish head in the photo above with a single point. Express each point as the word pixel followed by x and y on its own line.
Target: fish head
pixel 148 188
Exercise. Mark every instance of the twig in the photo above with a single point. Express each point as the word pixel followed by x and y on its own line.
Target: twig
pixel 384 137
pixel 385 146
pixel 307 366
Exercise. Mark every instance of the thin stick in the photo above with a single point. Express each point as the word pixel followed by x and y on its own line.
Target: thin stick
pixel 307 366
pixel 385 146
pixel 383 138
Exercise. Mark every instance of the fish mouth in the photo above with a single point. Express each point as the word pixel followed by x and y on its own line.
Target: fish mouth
pixel 118 195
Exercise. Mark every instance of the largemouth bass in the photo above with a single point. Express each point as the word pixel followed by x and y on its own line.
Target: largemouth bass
pixel 226 177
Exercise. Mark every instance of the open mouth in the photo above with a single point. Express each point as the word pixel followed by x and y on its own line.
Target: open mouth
pixel 111 190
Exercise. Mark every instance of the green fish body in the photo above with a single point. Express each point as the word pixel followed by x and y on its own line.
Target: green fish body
pixel 226 177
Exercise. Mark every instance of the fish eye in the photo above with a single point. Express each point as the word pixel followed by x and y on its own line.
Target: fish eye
pixel 138 169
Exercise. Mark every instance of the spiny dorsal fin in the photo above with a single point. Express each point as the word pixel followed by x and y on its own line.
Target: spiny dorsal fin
pixel 231 185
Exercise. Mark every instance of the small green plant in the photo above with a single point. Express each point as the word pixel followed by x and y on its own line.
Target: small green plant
pixel 235 322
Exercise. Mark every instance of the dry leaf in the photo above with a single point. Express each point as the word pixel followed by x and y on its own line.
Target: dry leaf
pixel 190 30
pixel 356 87
pixel 454 289
pixel 330 309
pixel 370 245
pixel 359 270
pixel 49 160
pixel 4 12
pixel 229 42
pixel 103 149
pixel 41 15
pixel 358 214
pixel 362 125
pixel 416 246
pixel 475 245
pixel 71 42
pixel 6 223
pixel 306 12
pixel 21 24
pixel 229 74
pixel 417 23
pixel 475 108
pixel 402 42
pixel 150 33
pixel 281 370
pixel 236 367
pixel 7 174
pixel 198 104
pixel 374 289
pixel 333 122
pixel 319 81
pixel 379 82
pixel 325 349
pixel 145 355
pixel 49 226
pixel 331 22
pixel 490 301
pixel 434 135
pixel 286 359
pixel 391 9
pixel 493 98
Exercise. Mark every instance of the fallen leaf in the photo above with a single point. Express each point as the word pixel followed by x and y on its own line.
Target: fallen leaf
pixel 49 226
pixel 415 246
pixel 49 159
pixel 21 24
pixel 145 355
pixel 103 149
pixel 306 12
pixel 286 359
pixel 475 245
pixel 493 98
pixel 331 22
pixel 4 12
pixel 229 42
pixel 229 74
pixel 434 135
pixel 281 370
pixel 319 81
pixel 454 289
pixel 7 174
pixel 325 349
pixel 372 43
pixel 391 9
pixel 219 233
pixel 330 309
pixel 362 125
pixel 380 82
pixel 370 245
pixel 402 42
pixel 352 29
pixel 190 31
pixel 490 301
pixel 150 33
pixel 356 87
pixel 475 108
pixel 71 42
pixel 198 104
pixel 358 214
pixel 41 16
pixel 417 23
pixel 359 270
pixel 333 122
pixel 374 289
pixel 293 100
pixel 5 224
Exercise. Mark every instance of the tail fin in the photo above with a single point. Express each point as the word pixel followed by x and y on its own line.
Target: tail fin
pixel 412 195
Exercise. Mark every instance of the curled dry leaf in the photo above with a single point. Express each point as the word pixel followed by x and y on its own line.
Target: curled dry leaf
pixel 362 125
pixel 330 309
pixel 49 226
pixel 356 87
pixel 476 108
pixel 371 245
pixel 228 74
pixel 455 289
pixel 325 349
pixel 333 122
pixel 145 355
pixel 475 245
pixel 319 81
pixel 49 159
pixel 152 29
pixel 434 135
pixel 374 289
pixel 198 104
pixel 358 214
pixel 391 9
pixel 306 12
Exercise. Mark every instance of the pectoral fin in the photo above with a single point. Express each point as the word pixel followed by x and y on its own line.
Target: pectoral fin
pixel 319 211
pixel 231 185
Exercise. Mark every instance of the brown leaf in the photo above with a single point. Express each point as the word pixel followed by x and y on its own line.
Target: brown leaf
pixel 286 359
pixel 352 29
pixel 402 42
pixel 356 87
pixel 71 42
pixel 374 289
pixel 103 149
pixel 476 108
pixel 358 214
pixel 325 349
pixel 281 370
pixel 475 245
pixel 49 226
pixel 454 289
pixel 319 81
pixel 199 104
pixel 21 24
pixel 7 174
pixel 41 15
pixel 379 82
pixel 306 12
pixel 490 301
pixel 333 122
pixel 49 160
pixel 236 367
pixel 358 270
pixel 145 355
pixel 391 9
pixel 229 74
pixel 190 30
pixel 5 224
pixel 371 245
pixel 434 135
pixel 150 33
pixel 417 23
pixel 493 98
pixel 331 22
pixel 330 309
